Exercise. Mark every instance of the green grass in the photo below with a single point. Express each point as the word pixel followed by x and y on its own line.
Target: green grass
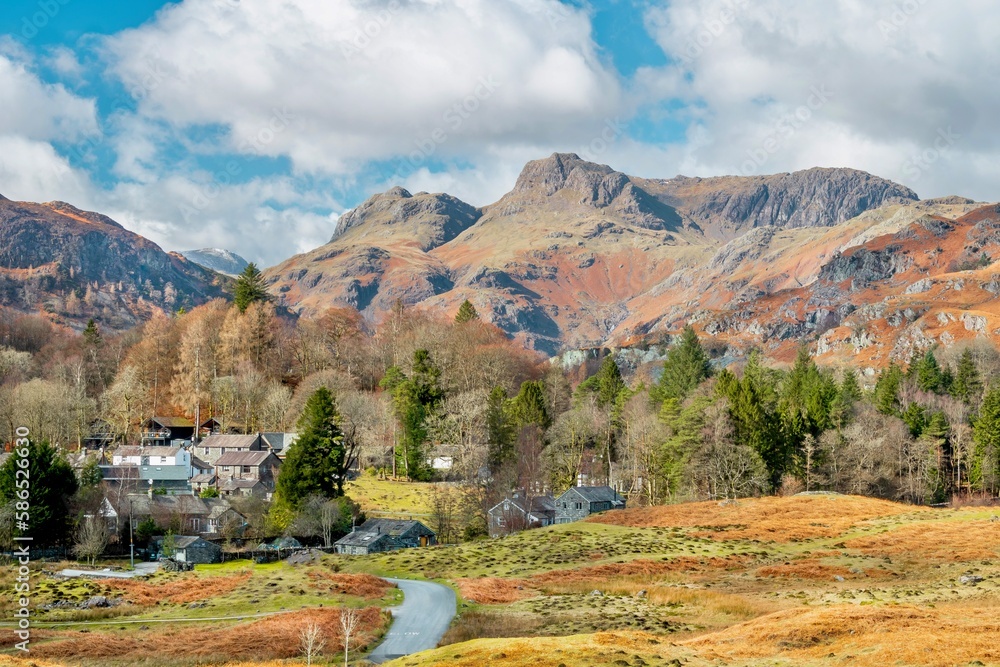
pixel 391 497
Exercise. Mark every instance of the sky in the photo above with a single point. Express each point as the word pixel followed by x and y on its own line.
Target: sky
pixel 252 125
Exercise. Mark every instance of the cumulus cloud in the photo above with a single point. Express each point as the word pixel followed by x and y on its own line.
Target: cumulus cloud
pixel 904 89
pixel 332 85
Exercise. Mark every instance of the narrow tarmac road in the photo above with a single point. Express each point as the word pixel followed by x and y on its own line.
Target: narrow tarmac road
pixel 419 623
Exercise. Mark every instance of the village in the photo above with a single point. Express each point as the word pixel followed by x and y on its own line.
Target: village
pixel 190 490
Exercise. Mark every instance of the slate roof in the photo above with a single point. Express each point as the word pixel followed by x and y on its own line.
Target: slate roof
pixel 234 484
pixel 207 478
pixel 361 538
pixel 598 494
pixel 392 527
pixel 128 451
pixel 242 458
pixel 279 442
pixel 198 464
pixel 234 441
pixel 160 451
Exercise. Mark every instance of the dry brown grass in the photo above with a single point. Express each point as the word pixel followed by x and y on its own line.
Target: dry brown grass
pixel 601 649
pixel 808 568
pixel 272 638
pixel 863 636
pixel 187 589
pixel 490 590
pixel 944 541
pixel 772 519
pixel 640 568
pixel 358 585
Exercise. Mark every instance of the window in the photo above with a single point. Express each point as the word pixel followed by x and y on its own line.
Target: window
pixel 195 524
pixel 564 505
pixel 579 506
pixel 246 470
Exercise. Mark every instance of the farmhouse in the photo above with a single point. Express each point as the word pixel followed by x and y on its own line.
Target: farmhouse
pixel 192 549
pixel 377 535
pixel 251 466
pixel 580 502
pixel 214 446
pixel 511 515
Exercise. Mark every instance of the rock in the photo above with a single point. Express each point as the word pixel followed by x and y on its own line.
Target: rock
pixel 839 578
pixel 98 601
pixel 642 594
pixel 596 594
pixel 970 579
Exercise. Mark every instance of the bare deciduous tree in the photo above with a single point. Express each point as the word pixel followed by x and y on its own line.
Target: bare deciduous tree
pixel 92 537
pixel 349 620
pixel 311 641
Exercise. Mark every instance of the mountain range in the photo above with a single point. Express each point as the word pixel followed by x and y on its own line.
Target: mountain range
pixel 579 255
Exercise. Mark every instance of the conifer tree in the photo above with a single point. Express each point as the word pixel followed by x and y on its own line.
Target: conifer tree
pixel 316 464
pixel 250 287
pixel 886 397
pixel 687 365
pixel 528 407
pixel 984 466
pixel 967 386
pixel 466 313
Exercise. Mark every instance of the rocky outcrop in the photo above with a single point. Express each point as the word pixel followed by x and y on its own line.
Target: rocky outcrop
pixel 429 220
pixel 727 207
pixel 77 264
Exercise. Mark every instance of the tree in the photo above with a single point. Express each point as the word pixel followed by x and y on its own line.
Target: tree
pixel 500 432
pixel 983 469
pixel 886 397
pixel 317 462
pixel 92 537
pixel 967 385
pixel 928 373
pixel 53 484
pixel 349 620
pixel 209 492
pixel 687 365
pixel 466 313
pixel 311 641
pixel 250 288
pixel 528 407
pixel 415 397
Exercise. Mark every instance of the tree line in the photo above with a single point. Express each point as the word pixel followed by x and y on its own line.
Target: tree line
pixel 391 396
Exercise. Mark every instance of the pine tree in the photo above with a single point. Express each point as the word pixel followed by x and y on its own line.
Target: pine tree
pixel 53 483
pixel 606 384
pixel 316 464
pixel 935 442
pixel 687 365
pixel 985 463
pixel 886 397
pixel 928 373
pixel 466 313
pixel 528 407
pixel 415 398
pixel 967 386
pixel 848 394
pixel 500 435
pixel 250 287
pixel 92 335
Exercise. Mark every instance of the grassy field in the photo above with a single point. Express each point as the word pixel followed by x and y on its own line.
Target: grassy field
pixel 807 580
pixel 818 580
pixel 390 497
pixel 276 600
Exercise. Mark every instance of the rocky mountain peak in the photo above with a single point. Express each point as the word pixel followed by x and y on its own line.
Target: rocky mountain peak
pixel 428 219
pixel 553 173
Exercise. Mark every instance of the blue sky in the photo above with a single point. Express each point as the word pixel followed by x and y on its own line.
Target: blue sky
pixel 254 124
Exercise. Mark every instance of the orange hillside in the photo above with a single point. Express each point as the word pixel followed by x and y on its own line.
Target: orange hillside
pixel 772 519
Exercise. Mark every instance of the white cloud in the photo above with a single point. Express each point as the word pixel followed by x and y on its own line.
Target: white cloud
pixel 333 85
pixel 41 111
pixel 900 75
